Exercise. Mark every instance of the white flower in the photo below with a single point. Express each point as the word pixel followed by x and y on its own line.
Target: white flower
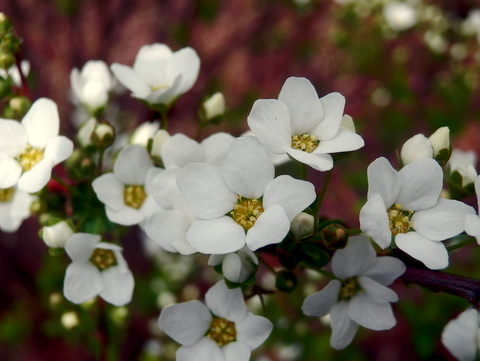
pixel 241 203
pixel 143 133
pixel 303 126
pixel 399 15
pixel 406 206
pixel 57 235
pixel 91 85
pixel 14 208
pixel 159 75
pixel 464 162
pixel 97 268
pixel 461 335
pixel 236 266
pixel 214 106
pixel 15 74
pixel 359 296
pixel 126 191
pixel 472 221
pixel 221 330
pixel 30 149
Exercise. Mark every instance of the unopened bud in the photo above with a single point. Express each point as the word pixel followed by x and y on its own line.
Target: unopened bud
pixel 347 123
pixel 103 135
pixel 416 147
pixel 158 141
pixel 213 108
pixel 17 107
pixel 302 225
pixel 441 145
pixel 56 234
pixel 237 266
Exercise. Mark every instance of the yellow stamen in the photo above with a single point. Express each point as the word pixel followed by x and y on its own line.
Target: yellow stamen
pixel 222 331
pixel 29 157
pixel 350 287
pixel 399 220
pixel 6 194
pixel 103 258
pixel 246 212
pixel 134 196
pixel 305 142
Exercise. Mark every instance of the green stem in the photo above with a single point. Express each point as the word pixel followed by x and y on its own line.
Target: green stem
pixel 461 244
pixel 163 119
pixel 303 171
pixel 322 193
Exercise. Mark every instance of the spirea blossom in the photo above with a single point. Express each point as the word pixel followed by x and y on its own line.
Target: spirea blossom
pixel 97 268
pixel 472 221
pixel 14 208
pixel 159 75
pixel 30 149
pixel 406 206
pixel 461 336
pixel 303 126
pixel 221 330
pixel 359 296
pixel 241 202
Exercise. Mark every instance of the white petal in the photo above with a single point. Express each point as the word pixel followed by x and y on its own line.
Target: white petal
pixel 376 291
pixel 291 194
pixel 216 236
pixel 41 122
pixel 216 148
pixel 460 335
pixel 343 328
pixel 374 221
pixel 343 141
pixel 320 303
pixel 433 254
pixel 132 165
pixel 181 150
pixel 301 98
pixel 472 226
pixel 321 162
pixel 164 187
pixel 58 149
pixel 151 64
pixel 13 137
pixel 205 190
pixel 444 220
pixel 205 349
pixel 477 190
pixel 418 146
pixel 355 258
pixel 422 181
pixel 384 181
pixel 253 330
pixel 226 303
pixel 187 63
pixel 385 270
pixel 236 351
pixel 130 80
pixel 333 105
pixel 81 245
pixel 270 228
pixel 118 286
pixel 109 190
pixel 247 169
pixel 10 171
pixel 36 178
pixel 370 314
pixel 185 322
pixel 82 282
pixel 269 119
pixel 126 215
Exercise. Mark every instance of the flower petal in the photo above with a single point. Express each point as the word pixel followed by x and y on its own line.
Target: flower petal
pixel 118 286
pixel 184 62
pixel 216 148
pixel 253 330
pixel 132 165
pixel 58 149
pixel 385 270
pixel 374 221
pixel 247 169
pixel 343 141
pixel 205 349
pixel 109 190
pixel 321 162
pixel 355 258
pixel 185 322
pixel 216 236
pixel 270 228
pixel 127 76
pixel 460 335
pixel 343 328
pixel 82 282
pixel 181 150
pixel 472 226
pixel 370 314
pixel 376 291
pixel 80 246
pixel 444 220
pixel 333 105
pixel 10 171
pixel 126 215
pixel 13 137
pixel 36 178
pixel 384 181
pixel 226 303
pixel 320 303
pixel 433 254
pixel 236 351
pixel 41 122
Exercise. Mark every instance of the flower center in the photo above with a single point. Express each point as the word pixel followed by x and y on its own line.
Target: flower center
pixel 157 87
pixel 222 331
pixel 134 196
pixel 6 194
pixel 246 212
pixel 305 142
pixel 29 157
pixel 103 258
pixel 350 287
pixel 399 219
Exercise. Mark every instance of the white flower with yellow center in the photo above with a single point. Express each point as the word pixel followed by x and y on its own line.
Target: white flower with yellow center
pixel 97 269
pixel 303 126
pixel 359 296
pixel 126 191
pixel 241 202
pixel 159 75
pixel 30 149
pixel 405 206
pixel 14 208
pixel 221 330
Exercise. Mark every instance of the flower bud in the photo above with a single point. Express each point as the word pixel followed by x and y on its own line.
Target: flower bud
pixel 56 234
pixel 415 148
pixel 17 107
pixel 84 134
pixel 237 266
pixel 302 225
pixel 441 145
pixel 464 163
pixel 347 123
pixel 103 135
pixel 213 108
pixel 158 140
pixel 7 60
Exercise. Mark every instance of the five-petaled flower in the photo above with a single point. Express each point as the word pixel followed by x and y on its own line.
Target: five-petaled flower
pixel 97 268
pixel 221 330
pixel 303 126
pixel 360 295
pixel 406 205
pixel 30 149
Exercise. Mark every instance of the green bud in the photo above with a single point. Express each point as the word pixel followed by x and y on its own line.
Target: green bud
pixel 5 87
pixel 285 281
pixel 5 24
pixel 7 60
pixel 17 107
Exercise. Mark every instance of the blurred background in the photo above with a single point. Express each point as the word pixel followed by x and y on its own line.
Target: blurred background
pixel 404 68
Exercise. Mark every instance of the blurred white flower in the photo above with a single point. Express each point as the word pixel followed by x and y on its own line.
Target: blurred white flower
pixel 461 336
pixel 14 208
pixel 30 149
pixel 97 268
pixel 465 163
pixel 399 15
pixel 472 221
pixel 236 266
pixel 159 75
pixel 221 330
pixel 359 296
pixel 15 74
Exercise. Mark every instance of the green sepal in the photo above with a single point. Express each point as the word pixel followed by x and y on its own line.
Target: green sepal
pixel 286 281
pixel 314 255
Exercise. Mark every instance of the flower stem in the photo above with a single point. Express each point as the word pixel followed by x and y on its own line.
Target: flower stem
pixel 461 244
pixel 323 191
pixel 163 119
